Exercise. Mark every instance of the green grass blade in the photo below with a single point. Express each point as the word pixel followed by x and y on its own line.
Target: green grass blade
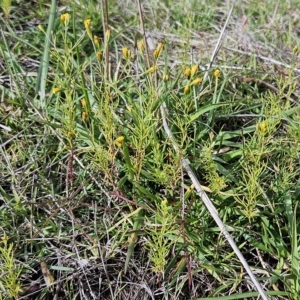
pixel 44 66
pixel 133 238
pixel 245 296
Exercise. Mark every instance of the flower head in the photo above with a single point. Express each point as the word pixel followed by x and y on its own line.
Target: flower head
pixel 126 53
pixel 296 50
pixel 196 81
pixel 99 55
pixel 87 25
pixel 157 51
pixel 152 69
pixel 84 116
pixel 164 204
pixel 107 35
pixel 119 140
pixel 65 19
pixel 187 72
pixel 186 89
pixel 263 127
pixel 140 45
pixel 83 102
pixel 71 134
pixel 41 28
pixel 217 73
pixel 56 90
pixel 97 41
pixel 194 70
pixel 166 76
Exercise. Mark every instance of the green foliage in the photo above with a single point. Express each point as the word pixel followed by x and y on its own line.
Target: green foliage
pixel 160 230
pixel 89 164
pixel 9 270
pixel 216 182
pixel 6 7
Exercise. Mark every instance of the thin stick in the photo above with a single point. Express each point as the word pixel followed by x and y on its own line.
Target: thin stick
pixel 268 59
pixel 186 253
pixel 219 43
pixel 143 33
pixel 105 31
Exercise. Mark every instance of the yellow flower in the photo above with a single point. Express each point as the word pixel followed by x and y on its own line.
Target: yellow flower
pixel 97 41
pixel 158 50
pixel 70 134
pixel 41 28
pixel 65 19
pixel 165 76
pixel 155 54
pixel 187 72
pixel 152 69
pixel 83 102
pixel 99 55
pixel 194 70
pixel 159 46
pixel 107 35
pixel 196 81
pixel 217 73
pixel 296 49
pixel 84 116
pixel 126 53
pixel 119 141
pixel 263 127
pixel 87 25
pixel 186 89
pixel 164 204
pixel 140 45
pixel 56 90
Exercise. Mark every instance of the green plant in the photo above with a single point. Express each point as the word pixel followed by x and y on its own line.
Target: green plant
pixel 6 7
pixel 161 232
pixel 9 271
pixel 85 159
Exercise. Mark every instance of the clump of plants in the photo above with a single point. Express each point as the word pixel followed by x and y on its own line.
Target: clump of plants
pixel 100 173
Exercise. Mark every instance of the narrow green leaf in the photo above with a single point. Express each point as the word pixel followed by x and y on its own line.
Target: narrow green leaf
pixel 43 71
pixel 144 191
pixel 139 220
pixel 127 160
pixel 202 111
pixel 245 295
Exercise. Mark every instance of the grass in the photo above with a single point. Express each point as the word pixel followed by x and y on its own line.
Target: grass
pixel 97 133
